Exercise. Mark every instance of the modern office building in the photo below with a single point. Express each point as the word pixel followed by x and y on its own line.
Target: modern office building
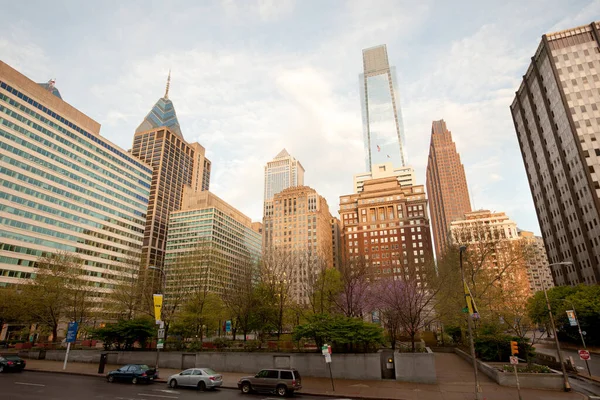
pixel 387 225
pixel 446 185
pixel 300 229
pixel 381 115
pixel 175 163
pixel 538 271
pixel 65 188
pixel 557 120
pixel 209 244
pixel 282 172
pixel 405 175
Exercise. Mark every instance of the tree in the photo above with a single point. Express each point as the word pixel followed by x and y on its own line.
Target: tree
pixel 407 300
pixel 129 299
pixel 356 298
pixel 58 293
pixel 346 334
pixel 200 314
pixel 240 300
pixel 125 333
pixel 276 282
pixel 10 307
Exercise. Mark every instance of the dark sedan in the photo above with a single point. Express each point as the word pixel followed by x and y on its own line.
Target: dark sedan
pixel 134 373
pixel 11 363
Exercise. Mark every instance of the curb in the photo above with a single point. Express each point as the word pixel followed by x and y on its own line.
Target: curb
pixel 161 380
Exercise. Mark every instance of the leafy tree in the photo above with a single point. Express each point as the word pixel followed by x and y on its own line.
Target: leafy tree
pixel 240 300
pixel 129 299
pixel 323 287
pixel 10 306
pixel 346 334
pixel 125 333
pixel 276 284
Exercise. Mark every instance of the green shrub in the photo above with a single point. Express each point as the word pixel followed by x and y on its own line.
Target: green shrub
pixel 532 369
pixel 496 347
pixel 251 345
pixel 221 342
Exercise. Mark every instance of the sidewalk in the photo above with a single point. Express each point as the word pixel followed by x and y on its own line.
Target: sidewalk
pixel 455 382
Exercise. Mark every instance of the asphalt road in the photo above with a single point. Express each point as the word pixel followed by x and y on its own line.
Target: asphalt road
pixel 594 360
pixel 51 386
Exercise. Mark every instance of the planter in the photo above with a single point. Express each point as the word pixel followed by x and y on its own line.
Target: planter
pixel 415 367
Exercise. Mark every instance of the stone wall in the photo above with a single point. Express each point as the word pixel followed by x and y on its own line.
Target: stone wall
pixel 415 367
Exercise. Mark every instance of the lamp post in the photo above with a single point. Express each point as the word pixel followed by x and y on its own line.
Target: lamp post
pixel 567 386
pixel 469 323
pixel 161 290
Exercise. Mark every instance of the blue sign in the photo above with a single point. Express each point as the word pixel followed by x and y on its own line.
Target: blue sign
pixel 227 326
pixel 375 317
pixel 72 332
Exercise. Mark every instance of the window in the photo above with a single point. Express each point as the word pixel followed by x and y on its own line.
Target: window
pixel 197 372
pixel 286 375
pixel 187 372
pixel 272 374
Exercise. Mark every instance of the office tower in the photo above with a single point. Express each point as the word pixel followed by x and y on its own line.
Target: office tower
pixel 63 187
pixel 538 271
pixel 556 117
pixel 209 244
pixel 381 114
pixel 301 229
pixel 282 172
pixel 159 142
pixel 405 175
pixel 336 242
pixel 446 185
pixel 387 225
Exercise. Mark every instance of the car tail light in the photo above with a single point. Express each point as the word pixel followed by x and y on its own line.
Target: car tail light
pixel 212 378
pixel 144 374
pixel 10 363
pixel 294 382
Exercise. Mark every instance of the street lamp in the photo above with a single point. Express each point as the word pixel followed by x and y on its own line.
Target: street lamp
pixel 567 386
pixel 161 290
pixel 462 249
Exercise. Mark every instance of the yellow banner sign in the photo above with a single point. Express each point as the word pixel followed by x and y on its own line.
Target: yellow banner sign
pixel 158 301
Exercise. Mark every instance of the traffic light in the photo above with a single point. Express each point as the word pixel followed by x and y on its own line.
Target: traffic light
pixel 514 347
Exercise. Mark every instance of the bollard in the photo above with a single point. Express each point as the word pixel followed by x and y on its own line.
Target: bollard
pixel 103 359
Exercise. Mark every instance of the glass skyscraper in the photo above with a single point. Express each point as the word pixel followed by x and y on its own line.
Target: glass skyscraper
pixel 63 187
pixel 381 115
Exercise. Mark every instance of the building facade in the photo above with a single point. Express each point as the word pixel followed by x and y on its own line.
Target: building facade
pixel 300 230
pixel 381 115
pixel 65 188
pixel 538 270
pixel 557 120
pixel 387 225
pixel 480 224
pixel 405 175
pixel 282 172
pixel 209 245
pixel 159 142
pixel 336 242
pixel 446 184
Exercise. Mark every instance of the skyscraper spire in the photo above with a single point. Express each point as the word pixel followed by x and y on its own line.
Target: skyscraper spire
pixel 168 84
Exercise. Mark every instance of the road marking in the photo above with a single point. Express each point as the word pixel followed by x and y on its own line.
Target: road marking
pixel 166 391
pixel 157 395
pixel 28 384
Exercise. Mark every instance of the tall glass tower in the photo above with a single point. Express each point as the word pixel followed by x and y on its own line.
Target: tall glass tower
pixel 381 115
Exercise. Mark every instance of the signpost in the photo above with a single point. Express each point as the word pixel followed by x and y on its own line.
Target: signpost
pixel 572 317
pixel 71 337
pixel 326 351
pixel 514 349
pixel 158 302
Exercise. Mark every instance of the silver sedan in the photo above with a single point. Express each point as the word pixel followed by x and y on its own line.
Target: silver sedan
pixel 201 378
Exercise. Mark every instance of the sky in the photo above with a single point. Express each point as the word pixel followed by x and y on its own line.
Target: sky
pixel 251 77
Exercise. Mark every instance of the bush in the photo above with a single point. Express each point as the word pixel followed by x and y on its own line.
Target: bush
pixel 496 347
pixel 221 343
pixel 532 369
pixel 454 332
pixel 251 345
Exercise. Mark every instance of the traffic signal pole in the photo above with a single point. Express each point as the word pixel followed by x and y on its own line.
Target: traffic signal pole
pixel 514 349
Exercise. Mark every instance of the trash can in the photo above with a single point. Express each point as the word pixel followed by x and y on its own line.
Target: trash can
pixel 103 360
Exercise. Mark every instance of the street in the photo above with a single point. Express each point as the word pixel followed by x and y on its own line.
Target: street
pixel 41 385
pixel 580 364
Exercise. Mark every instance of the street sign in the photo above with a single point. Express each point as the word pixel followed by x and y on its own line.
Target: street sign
pixel 72 332
pixel 327 358
pixel 571 316
pixel 160 344
pixel 158 302
pixel 227 326
pixel 514 360
pixel 584 355
pixel 161 333
pixel 465 310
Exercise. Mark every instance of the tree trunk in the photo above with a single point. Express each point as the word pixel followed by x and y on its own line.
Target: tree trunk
pixel 412 339
pixel 54 333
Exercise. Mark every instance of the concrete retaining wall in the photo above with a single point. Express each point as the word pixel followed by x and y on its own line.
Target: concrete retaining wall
pixel 415 367
pixel 552 381
pixel 348 366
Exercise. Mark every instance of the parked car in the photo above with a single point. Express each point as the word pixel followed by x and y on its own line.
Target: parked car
pixel 282 382
pixel 200 378
pixel 134 373
pixel 11 363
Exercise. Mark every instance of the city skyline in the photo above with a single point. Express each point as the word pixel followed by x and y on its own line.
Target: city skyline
pixel 290 92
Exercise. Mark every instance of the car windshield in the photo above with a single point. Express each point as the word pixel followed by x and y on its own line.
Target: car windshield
pixel 14 358
pixel 209 371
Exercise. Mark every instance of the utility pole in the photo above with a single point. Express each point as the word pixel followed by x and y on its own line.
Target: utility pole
pixel 567 386
pixel 587 364
pixel 478 392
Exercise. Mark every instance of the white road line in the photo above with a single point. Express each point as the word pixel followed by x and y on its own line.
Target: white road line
pixel 166 391
pixel 28 384
pixel 157 395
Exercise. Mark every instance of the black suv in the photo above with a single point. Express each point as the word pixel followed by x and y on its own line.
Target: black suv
pixel 282 382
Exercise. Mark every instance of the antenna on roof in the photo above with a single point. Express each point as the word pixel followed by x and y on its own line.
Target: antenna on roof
pixel 168 84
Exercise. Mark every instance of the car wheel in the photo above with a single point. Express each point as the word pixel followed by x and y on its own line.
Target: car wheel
pixel 281 391
pixel 1 368
pixel 134 380
pixel 246 388
pixel 201 386
pixel 173 383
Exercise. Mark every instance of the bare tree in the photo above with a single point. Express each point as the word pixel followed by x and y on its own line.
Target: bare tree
pixel 240 299
pixel 357 297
